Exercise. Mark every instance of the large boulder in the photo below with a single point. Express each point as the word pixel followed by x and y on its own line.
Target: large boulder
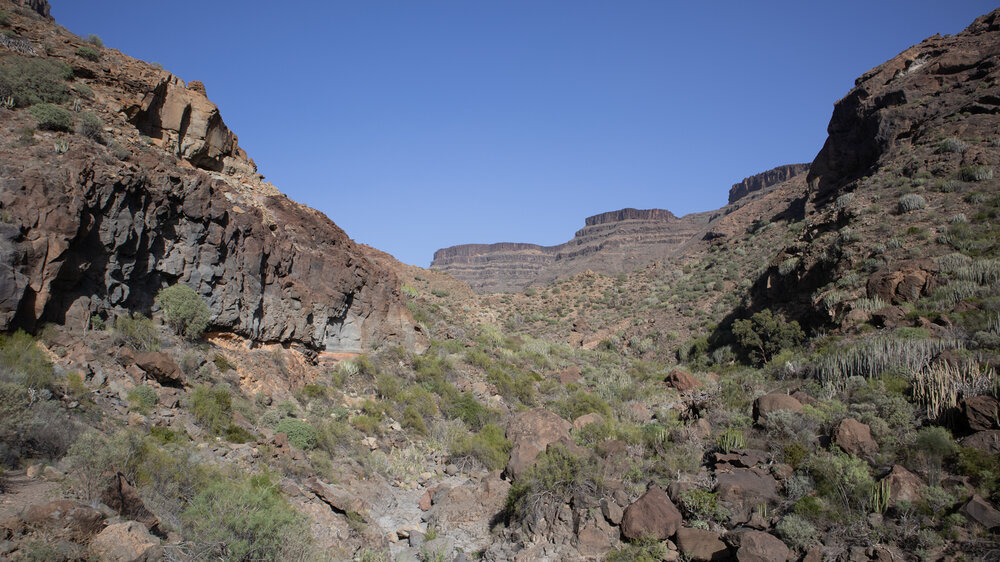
pixel 906 282
pixel 652 515
pixel 530 432
pixel 742 490
pixel 981 413
pixel 979 510
pixel 904 486
pixel 67 519
pixel 681 381
pixel 768 403
pixel 985 441
pixel 758 546
pixel 126 542
pixel 124 499
pixel 700 545
pixel 160 367
pixel 855 438
pixel 466 511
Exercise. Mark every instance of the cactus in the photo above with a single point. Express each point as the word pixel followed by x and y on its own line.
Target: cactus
pixel 878 500
pixel 7 102
pixel 60 146
pixel 732 439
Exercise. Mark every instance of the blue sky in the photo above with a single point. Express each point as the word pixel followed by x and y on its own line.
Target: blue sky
pixel 416 125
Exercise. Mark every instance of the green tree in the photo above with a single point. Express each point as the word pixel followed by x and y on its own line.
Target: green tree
pixel 185 311
pixel 765 334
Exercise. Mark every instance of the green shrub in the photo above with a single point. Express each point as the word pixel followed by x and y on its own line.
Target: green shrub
pixel 556 476
pixel 142 398
pixel 489 446
pixel 52 117
pixel 412 419
pixel 465 407
pixel 23 362
pixel 245 519
pixel 976 173
pixel 88 53
pixel 765 334
pixel 90 126
pixel 212 407
pixel 83 90
pixel 702 505
pixel 642 550
pixel 33 80
pixel 136 331
pixel 796 531
pixel 843 478
pixel 222 364
pixel 581 402
pixel 95 40
pixel 14 402
pixel 185 310
pixel 4 18
pixel 300 433
pixel 951 145
pixel 911 202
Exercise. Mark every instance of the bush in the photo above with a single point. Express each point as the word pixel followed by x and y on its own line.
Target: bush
pixel 4 18
pixel 95 40
pixel 14 402
pixel 911 202
pixel 23 362
pixel 556 476
pixel 185 311
pixel 136 331
pixel 702 505
pixel 490 447
pixel 52 117
pixel 951 145
pixel 844 478
pixel 245 519
pixel 88 53
pixel 91 127
pixel 796 531
pixel 300 433
pixel 212 407
pixel 142 398
pixel 766 334
pixel 976 173
pixel 33 80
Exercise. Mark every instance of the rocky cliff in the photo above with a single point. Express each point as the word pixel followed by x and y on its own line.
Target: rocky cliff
pixel 766 179
pixel 163 195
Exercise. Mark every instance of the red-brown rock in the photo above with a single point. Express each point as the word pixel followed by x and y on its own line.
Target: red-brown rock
pixel 126 542
pixel 530 432
pixel 906 282
pixel 652 515
pixel 904 486
pixel 700 545
pixel 758 546
pixel 743 489
pixel 982 413
pixel 681 381
pixel 855 438
pixel 124 498
pixel 768 403
pixel 985 441
pixel 160 367
pixel 66 518
pixel 570 375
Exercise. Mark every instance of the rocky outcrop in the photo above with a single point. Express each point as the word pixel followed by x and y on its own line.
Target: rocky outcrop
pixel 126 542
pixel 764 180
pixel 608 243
pixel 41 7
pixel 652 515
pixel 892 105
pixel 530 433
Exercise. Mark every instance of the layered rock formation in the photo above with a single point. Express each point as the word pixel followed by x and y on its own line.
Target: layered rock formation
pixel 764 180
pixel 608 243
pixel 96 231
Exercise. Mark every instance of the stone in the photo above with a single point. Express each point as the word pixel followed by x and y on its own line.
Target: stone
pixel 804 398
pixel 758 546
pixel 34 471
pixel 124 499
pixel 64 518
pixel 747 458
pixel 652 514
pixel 855 438
pixel 904 486
pixel 587 419
pixel 611 511
pixel 570 375
pixel 742 490
pixel 611 448
pixel 979 510
pixel 467 510
pixel 981 413
pixel 425 500
pixel 52 474
pixel 906 281
pixel 702 428
pixel 985 441
pixel 126 542
pixel 701 546
pixel 451 469
pixel 773 402
pixel 681 381
pixel 530 432
pixel 160 367
pixel 595 537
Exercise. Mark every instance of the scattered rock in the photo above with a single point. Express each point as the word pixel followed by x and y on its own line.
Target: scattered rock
pixel 855 438
pixel 425 500
pixel 904 486
pixel 702 546
pixel 652 514
pixel 742 490
pixel 979 510
pixel 804 398
pixel 530 432
pixel 611 511
pixel 906 282
pixel 66 518
pixel 748 458
pixel 758 546
pixel 160 367
pixel 466 511
pixel 126 542
pixel 570 374
pixel 702 428
pixel 768 403
pixel 34 471
pixel 982 413
pixel 985 441
pixel 587 419
pixel 681 381
pixel 124 499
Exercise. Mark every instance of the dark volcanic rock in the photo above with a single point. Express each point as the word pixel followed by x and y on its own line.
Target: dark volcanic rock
pixel 766 179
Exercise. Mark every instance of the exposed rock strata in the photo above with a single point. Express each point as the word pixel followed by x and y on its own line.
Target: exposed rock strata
pixel 766 179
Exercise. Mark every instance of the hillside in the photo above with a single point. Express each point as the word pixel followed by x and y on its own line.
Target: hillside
pixel 194 367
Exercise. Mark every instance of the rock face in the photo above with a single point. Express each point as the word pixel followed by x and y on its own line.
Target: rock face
pixel 890 104
pixel 467 511
pixel 766 179
pixel 982 413
pixel 608 243
pixel 41 7
pixel 98 235
pixel 126 542
pixel 530 433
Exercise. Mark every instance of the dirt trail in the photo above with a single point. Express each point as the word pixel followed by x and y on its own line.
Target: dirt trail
pixel 21 492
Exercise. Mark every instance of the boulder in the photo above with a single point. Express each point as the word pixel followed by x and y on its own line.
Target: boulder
pixel 569 375
pixel 64 518
pixel 768 403
pixel 907 281
pixel 681 381
pixel 699 545
pixel 596 537
pixel 587 419
pixel 124 499
pixel 981 413
pixel 758 546
pixel 160 367
pixel 129 541
pixel 904 486
pixel 530 432
pixel 653 514
pixel 742 490
pixel 466 511
pixel 611 511
pixel 855 438
pixel 979 510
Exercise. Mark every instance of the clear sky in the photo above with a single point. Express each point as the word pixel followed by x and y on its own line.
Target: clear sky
pixel 419 124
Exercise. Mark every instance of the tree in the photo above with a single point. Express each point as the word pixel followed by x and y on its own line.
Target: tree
pixel 185 311
pixel 765 334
